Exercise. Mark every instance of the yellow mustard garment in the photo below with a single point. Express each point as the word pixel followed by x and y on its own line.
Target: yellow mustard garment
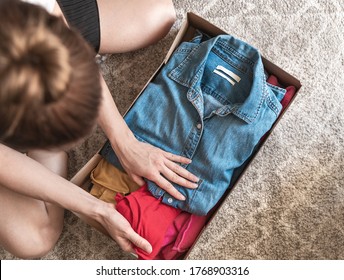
pixel 108 180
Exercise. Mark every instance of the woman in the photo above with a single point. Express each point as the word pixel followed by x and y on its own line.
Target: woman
pixel 51 96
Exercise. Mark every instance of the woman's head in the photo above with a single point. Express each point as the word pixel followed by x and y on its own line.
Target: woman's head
pixel 49 82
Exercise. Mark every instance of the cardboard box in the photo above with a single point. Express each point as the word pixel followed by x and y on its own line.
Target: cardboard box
pixel 187 31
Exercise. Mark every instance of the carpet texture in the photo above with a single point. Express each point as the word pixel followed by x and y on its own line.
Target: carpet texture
pixel 290 202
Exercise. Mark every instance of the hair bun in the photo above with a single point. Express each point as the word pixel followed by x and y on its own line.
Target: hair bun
pixel 41 67
pixel 44 102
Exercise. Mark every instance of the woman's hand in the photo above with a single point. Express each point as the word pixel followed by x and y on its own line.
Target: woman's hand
pixel 141 160
pixel 120 230
pixel 144 160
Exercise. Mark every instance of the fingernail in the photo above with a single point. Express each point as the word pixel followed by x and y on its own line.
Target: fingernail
pixel 181 197
pixel 195 185
pixel 149 249
pixel 193 178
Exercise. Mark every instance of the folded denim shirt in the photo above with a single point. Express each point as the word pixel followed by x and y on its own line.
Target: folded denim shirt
pixel 210 103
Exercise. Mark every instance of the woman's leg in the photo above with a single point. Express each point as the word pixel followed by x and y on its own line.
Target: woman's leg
pixel 130 25
pixel 30 228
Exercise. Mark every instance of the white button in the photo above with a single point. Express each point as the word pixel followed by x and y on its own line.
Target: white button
pixel 199 126
pixel 170 200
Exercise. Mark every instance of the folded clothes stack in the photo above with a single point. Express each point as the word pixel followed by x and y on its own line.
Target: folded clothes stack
pixel 213 102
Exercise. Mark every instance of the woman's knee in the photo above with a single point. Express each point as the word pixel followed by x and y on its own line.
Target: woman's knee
pixel 130 25
pixel 34 244
pixel 156 20
pixel 163 15
pixel 167 12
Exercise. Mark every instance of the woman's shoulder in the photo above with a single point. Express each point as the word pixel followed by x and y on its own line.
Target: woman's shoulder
pixel 47 4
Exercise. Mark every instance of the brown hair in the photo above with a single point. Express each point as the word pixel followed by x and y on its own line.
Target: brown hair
pixel 49 82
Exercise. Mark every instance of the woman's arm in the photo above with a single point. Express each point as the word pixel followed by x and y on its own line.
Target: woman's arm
pixel 43 184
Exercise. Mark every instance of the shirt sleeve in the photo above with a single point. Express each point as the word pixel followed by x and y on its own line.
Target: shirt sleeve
pixel 47 4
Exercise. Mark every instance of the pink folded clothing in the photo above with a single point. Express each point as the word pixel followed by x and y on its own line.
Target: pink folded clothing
pixel 180 235
pixel 148 217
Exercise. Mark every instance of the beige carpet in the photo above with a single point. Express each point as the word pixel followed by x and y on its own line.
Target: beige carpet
pixel 290 202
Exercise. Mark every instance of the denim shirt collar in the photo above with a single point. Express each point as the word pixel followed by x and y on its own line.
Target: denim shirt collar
pixel 190 71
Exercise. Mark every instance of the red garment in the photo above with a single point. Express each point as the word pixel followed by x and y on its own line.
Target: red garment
pixel 148 217
pixel 180 235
